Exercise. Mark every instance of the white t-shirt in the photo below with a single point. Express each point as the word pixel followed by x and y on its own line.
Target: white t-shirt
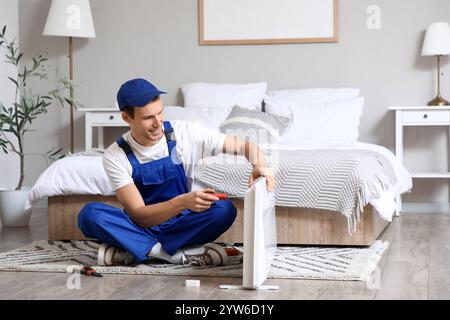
pixel 193 142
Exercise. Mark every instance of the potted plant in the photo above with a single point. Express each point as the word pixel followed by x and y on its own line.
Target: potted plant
pixel 15 121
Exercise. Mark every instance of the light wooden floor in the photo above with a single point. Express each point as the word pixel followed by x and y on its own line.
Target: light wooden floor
pixel 416 266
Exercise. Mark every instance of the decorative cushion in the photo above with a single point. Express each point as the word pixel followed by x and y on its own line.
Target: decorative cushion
pixel 259 127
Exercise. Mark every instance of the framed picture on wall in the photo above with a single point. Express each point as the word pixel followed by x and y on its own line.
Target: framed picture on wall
pixel 223 22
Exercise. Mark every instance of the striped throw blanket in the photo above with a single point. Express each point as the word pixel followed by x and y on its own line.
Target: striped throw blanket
pixel 337 180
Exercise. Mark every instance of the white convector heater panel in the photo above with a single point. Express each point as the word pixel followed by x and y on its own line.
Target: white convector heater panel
pixel 260 234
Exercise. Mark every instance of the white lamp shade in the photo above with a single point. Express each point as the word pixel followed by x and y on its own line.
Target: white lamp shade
pixel 437 39
pixel 70 18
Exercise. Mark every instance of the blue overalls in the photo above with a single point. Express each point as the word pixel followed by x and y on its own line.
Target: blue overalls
pixel 157 181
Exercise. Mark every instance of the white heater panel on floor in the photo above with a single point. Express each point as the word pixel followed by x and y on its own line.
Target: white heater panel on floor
pixel 260 236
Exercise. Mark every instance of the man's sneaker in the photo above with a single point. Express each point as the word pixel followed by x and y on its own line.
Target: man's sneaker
pixel 112 256
pixel 210 254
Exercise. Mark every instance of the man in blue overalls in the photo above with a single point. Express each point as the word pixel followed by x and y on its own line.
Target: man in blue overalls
pixel 162 218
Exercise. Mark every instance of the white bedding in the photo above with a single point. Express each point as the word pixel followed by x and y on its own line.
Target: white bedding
pixel 85 175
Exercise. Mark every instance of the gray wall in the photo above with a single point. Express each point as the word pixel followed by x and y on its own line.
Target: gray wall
pixel 158 40
pixel 9 15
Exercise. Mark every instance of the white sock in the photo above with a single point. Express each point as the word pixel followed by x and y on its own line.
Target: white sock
pixel 158 252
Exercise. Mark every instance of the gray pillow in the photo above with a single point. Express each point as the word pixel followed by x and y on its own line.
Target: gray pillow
pixel 255 126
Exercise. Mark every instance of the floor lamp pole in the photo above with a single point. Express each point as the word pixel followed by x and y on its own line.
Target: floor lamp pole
pixel 71 94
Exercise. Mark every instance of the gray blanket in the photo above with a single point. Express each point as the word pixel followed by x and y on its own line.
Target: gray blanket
pixel 337 180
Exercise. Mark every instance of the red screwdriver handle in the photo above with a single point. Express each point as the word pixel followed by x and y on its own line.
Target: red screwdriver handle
pixel 221 196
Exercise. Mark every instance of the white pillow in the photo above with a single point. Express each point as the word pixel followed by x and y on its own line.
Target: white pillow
pixel 249 96
pixel 208 117
pixel 319 125
pixel 314 95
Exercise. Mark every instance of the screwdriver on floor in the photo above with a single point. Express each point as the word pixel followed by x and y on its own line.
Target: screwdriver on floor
pixel 89 271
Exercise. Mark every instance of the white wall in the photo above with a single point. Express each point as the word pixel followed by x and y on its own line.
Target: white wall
pixel 158 40
pixel 9 15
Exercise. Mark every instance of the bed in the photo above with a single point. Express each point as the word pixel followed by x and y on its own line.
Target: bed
pixel 333 190
pixel 72 182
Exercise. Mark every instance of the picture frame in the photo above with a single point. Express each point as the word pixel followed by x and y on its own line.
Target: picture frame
pixel 235 22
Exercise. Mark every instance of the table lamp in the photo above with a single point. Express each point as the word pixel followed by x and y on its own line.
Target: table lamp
pixel 70 18
pixel 437 43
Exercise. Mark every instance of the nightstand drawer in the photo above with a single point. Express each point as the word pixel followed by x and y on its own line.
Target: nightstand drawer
pixel 113 118
pixel 424 116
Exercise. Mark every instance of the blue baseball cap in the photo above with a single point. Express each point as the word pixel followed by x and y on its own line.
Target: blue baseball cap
pixel 136 93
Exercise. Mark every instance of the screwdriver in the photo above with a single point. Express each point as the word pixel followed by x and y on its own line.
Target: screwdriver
pixel 221 196
pixel 89 271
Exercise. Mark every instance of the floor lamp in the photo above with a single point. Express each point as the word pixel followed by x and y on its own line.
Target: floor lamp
pixel 72 19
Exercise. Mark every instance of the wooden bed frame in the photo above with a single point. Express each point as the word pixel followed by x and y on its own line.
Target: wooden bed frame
pixel 301 226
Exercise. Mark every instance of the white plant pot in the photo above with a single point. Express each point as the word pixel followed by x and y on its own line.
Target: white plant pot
pixel 12 208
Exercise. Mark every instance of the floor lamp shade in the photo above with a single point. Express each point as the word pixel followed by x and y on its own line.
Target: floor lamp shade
pixel 70 18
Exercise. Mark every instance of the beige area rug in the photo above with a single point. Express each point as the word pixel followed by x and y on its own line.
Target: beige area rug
pixel 299 262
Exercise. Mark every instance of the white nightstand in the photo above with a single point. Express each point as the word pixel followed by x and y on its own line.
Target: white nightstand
pixel 100 118
pixel 418 116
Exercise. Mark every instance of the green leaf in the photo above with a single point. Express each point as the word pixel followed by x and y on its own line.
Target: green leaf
pixel 4 30
pixel 54 153
pixel 15 82
pixel 24 75
pixel 61 101
pixel 19 57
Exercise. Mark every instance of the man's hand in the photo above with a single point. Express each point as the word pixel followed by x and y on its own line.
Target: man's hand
pixel 254 155
pixel 198 201
pixel 263 171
